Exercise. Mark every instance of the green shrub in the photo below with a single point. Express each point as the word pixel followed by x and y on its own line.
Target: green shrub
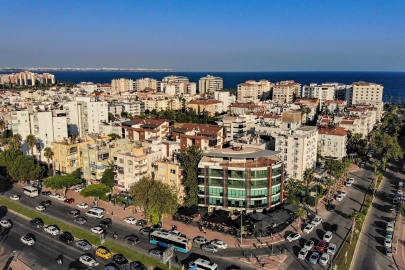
pixel 311 201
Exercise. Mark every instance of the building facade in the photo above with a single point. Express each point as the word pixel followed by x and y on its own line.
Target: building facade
pixel 146 84
pixel 252 91
pixel 122 85
pixel 285 91
pixel 332 141
pixel 210 84
pixel 363 92
pixel 211 106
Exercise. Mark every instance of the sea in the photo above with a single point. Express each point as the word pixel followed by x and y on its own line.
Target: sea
pixel 393 82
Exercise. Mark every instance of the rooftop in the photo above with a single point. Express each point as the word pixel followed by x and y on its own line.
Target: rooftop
pixel 237 152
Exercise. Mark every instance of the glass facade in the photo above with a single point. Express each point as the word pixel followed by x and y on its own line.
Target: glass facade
pixel 232 193
pixel 259 174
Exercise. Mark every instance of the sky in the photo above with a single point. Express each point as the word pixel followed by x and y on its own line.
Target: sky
pixel 272 35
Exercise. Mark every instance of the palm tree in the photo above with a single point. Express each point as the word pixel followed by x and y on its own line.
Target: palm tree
pixel 330 182
pixel 48 154
pixel 355 216
pixel 390 99
pixel 31 141
pixel 398 99
pixel 2 124
pixel 300 213
pixel 309 177
pixel 376 165
pixel 16 141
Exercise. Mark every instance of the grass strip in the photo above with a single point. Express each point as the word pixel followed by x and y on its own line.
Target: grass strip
pixel 80 234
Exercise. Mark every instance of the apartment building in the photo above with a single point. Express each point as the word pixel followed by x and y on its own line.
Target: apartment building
pixel 296 144
pixel 364 92
pixel 332 141
pixel 27 78
pixel 226 98
pixel 286 91
pixel 84 116
pixel 203 136
pixel 162 104
pixel 96 157
pixel 177 85
pixel 252 91
pixel 234 126
pixel 241 178
pixel 66 152
pixel 247 108
pixel 89 87
pixel 211 106
pixel 111 127
pixel 146 84
pixel 324 92
pixel 334 105
pixel 144 129
pixel 169 172
pixel 132 107
pixel 122 85
pixel 268 119
pixel 210 84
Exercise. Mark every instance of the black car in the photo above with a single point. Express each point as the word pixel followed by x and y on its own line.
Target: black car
pixel 331 207
pixel 131 239
pixel 37 223
pixel 66 237
pixel 120 259
pixel 137 266
pixel 141 223
pixel 145 231
pixel 46 193
pixel 74 213
pixel 334 228
pixel 156 226
pixel 107 222
pixel 46 203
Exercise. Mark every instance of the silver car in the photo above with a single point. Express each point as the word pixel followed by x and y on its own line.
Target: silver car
pixel 210 248
pixel 80 220
pixel 200 240
pixel 314 258
pixel 324 259
pixel 303 254
pixel 83 245
pixel 331 249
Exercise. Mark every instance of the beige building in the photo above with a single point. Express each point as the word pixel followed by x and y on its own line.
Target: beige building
pixel 332 141
pixel 285 91
pixel 211 106
pixel 170 173
pixel 146 83
pixel 363 92
pixel 210 84
pixel 122 85
pixel 252 91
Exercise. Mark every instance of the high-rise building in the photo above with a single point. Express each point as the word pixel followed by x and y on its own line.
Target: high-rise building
pixel 324 92
pixel 27 78
pixel 285 91
pixel 122 85
pixel 146 84
pixel 252 91
pixel 210 84
pixel 363 92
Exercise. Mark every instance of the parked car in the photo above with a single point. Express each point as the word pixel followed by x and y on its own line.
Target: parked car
pixel 388 242
pixel 314 258
pixel 210 248
pixel 69 201
pixel 130 220
pixel 80 220
pixel 308 228
pixel 106 222
pixel 97 230
pixel 399 191
pixel 131 239
pixel 334 228
pixel 83 245
pixel 28 240
pixel 52 229
pixel 74 213
pixel 219 244
pixel 83 205
pixel 141 223
pixel 200 240
pixel 328 236
pixel 321 246
pixel 54 195
pixel 343 193
pixel 156 253
pixel 175 232
pixel 351 180
pixel 78 189
pixel 331 207
pixel 37 223
pixel 388 251
pixel 293 237
pixel 136 265
pixel 331 249
pixel 395 200
pixel 103 253
pixel 46 193
pixel 46 203
pixel 302 254
pixel 339 198
pixel 316 221
pixel 120 260
pixel 390 226
pixel 5 223
pixel 145 231
pixel 324 259
pixel 15 197
pixel 389 234
pixel 66 237
pixel 88 260
pixel 309 244
pixel 40 208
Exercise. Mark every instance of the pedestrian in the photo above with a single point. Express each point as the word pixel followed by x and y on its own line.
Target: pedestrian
pixel 133 210
pixel 262 263
pixel 204 231
pixel 259 247
pixel 274 236
pixel 112 213
pixel 249 258
pixel 136 211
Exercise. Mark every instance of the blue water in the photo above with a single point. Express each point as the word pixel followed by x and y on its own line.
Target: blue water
pixel 393 82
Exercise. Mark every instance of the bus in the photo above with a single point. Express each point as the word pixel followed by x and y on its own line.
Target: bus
pixel 201 264
pixel 30 191
pixel 165 239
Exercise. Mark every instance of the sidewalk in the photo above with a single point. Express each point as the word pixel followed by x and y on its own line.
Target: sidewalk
pixel 399 256
pixel 17 265
pixel 270 263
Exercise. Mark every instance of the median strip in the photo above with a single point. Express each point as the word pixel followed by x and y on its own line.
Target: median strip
pixel 81 234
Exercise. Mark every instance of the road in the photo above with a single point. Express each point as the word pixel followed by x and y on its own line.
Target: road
pixel 370 254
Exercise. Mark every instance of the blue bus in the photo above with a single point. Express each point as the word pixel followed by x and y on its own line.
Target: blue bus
pixel 165 239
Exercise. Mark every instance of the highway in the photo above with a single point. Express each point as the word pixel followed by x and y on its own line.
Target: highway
pixel 370 250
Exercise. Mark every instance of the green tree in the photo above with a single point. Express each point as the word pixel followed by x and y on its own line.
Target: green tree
pixel 7 157
pixel 15 141
pixel 300 213
pixel 309 177
pixel 111 117
pixel 124 114
pixel 95 191
pixel 48 154
pixel 189 158
pixel 62 182
pixel 355 216
pixel 401 209
pixel 77 173
pixel 25 168
pixel 2 124
pixel 108 176
pixel 31 141
pixel 114 136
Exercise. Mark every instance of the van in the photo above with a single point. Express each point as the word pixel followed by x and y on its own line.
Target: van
pixel 95 213
pixel 401 185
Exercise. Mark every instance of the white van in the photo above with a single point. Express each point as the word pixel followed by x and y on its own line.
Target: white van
pixel 30 191
pixel 95 213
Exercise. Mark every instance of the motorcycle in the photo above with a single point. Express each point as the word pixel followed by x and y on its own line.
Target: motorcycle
pixel 115 236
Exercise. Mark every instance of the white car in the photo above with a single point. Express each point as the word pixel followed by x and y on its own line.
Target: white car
pixel 5 223
pixel 308 228
pixel 303 254
pixel 78 189
pixel 331 249
pixel 219 244
pixel 328 236
pixel 175 232
pixel 293 237
pixel 15 197
pixel 130 220
pixel 83 205
pixel 388 242
pixel 88 260
pixel 390 226
pixel 54 195
pixel 343 193
pixel 97 230
pixel 200 240
pixel 348 184
pixel 51 229
pixel 351 180
pixel 309 244
pixel 316 221
pixel 40 208
pixel 399 192
pixel 61 198
pixel 27 240
pixel 339 198
pixel 324 259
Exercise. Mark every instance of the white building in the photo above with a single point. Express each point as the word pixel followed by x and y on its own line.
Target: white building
pixel 252 91
pixel 210 84
pixel 325 91
pixel 332 141
pixel 285 91
pixel 363 92
pixel 122 85
pixel 234 126
pixel 225 97
pixel 89 87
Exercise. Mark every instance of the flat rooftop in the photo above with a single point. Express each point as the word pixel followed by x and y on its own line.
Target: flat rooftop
pixel 246 152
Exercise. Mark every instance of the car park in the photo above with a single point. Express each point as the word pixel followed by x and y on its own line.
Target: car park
pixel 302 254
pixel 141 223
pixel 69 201
pixel 46 193
pixel 210 248
pixel 120 260
pixel 328 236
pixel 293 237
pixel 390 226
pixel 331 249
pixel 52 229
pixel 28 240
pixel 40 208
pixel 130 220
pixel 36 223
pixel 83 205
pixel 321 246
pixel 308 228
pixel 88 260
pixel 74 213
pixel 309 244
pixel 46 203
pixel 97 230
pixel 324 259
pixel 66 237
pixel 156 253
pixel 80 220
pixel 145 231
pixel 388 242
pixel 219 244
pixel 131 239
pixel 15 197
pixel 316 221
pixel 136 265
pixel 314 258
pixel 5 223
pixel 103 252
pixel 106 222
pixel 83 245
pixel 339 197
pixel 200 240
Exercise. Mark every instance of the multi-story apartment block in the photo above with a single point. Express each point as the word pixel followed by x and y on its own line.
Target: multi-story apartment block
pixel 211 106
pixel 334 105
pixel 169 172
pixel 241 178
pixel 27 78
pixel 285 91
pixel 234 126
pixel 296 144
pixel 122 85
pixel 177 85
pixel 363 92
pixel 95 158
pixel 246 108
pixel 132 107
pixel 210 84
pixel 332 141
pixel 203 136
pixel 144 129
pixel 104 87
pixel 89 87
pixel 112 127
pixel 84 116
pixel 146 84
pixel 324 92
pixel 66 152
pixel 226 98
pixel 252 91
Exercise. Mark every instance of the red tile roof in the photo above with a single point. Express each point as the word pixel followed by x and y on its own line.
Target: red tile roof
pixel 203 128
pixel 338 131
pixel 346 122
pixel 204 102
pixel 150 121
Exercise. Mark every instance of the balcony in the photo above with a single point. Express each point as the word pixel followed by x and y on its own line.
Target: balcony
pixel 140 165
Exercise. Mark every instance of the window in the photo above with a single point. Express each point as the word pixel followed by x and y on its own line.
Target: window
pixel 259 174
pixel 121 160
pixel 236 193
pixel 216 191
pixel 172 171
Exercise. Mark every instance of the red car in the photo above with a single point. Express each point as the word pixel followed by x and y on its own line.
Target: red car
pixel 321 246
pixel 69 201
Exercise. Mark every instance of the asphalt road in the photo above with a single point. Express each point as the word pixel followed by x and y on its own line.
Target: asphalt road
pixel 371 252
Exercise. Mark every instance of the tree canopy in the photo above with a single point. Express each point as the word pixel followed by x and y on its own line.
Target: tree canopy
pixel 108 177
pixel 62 182
pixel 114 136
pixel 7 157
pixel 25 168
pixel 95 191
